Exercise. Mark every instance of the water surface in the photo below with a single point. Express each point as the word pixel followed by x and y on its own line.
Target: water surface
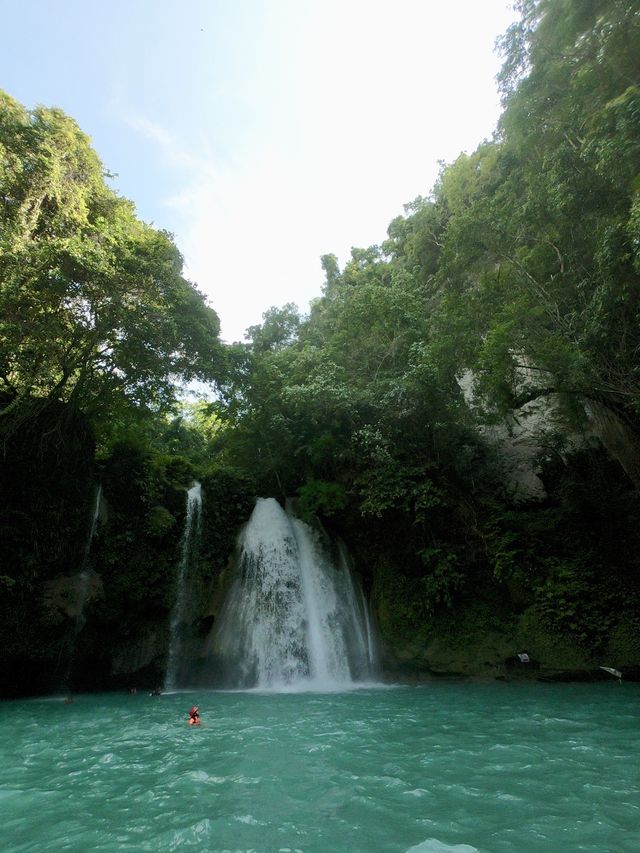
pixel 448 766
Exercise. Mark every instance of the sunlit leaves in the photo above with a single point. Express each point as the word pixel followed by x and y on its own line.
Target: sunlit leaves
pixel 93 305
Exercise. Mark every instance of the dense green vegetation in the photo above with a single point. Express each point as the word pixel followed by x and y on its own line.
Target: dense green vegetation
pixel 505 303
pixel 519 273
pixel 97 324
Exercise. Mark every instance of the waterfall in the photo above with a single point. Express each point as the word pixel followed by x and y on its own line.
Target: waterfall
pixel 294 617
pixel 82 587
pixel 97 504
pixel 188 555
pixel 85 576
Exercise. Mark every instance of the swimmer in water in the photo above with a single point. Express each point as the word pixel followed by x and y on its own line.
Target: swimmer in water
pixel 194 716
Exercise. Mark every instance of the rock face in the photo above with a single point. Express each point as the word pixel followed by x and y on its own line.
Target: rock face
pixel 617 437
pixel 66 597
pixel 530 431
pixel 475 643
pixel 139 655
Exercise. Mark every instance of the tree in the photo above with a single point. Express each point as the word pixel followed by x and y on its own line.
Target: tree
pixel 539 267
pixel 93 305
pixel 279 328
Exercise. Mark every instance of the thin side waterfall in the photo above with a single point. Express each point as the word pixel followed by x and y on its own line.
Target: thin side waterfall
pixel 189 553
pixel 84 585
pixel 94 525
pixel 294 617
pixel 85 576
pixel 363 625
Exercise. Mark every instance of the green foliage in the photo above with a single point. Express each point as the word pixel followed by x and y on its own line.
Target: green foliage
pixel 319 498
pixel 159 521
pixel 575 601
pixel 404 615
pixel 229 497
pixel 279 329
pixel 94 310
pixel 443 579
pixel 405 489
pixel 539 242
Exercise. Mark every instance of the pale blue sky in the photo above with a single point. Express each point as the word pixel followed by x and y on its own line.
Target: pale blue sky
pixel 263 133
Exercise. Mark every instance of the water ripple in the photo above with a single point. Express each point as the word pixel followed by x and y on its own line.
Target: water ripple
pixel 445 769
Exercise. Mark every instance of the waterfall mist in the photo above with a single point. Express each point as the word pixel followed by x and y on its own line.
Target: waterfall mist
pixel 294 617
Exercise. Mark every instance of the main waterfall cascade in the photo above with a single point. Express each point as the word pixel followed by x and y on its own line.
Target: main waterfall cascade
pixel 294 617
pixel 189 552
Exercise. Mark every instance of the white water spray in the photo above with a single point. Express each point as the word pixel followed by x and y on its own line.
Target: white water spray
pixel 293 618
pixel 190 543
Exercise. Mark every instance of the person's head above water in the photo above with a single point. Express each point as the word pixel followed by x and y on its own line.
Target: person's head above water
pixel 194 710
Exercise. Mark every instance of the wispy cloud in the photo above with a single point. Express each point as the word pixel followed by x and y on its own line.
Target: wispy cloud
pixel 175 152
